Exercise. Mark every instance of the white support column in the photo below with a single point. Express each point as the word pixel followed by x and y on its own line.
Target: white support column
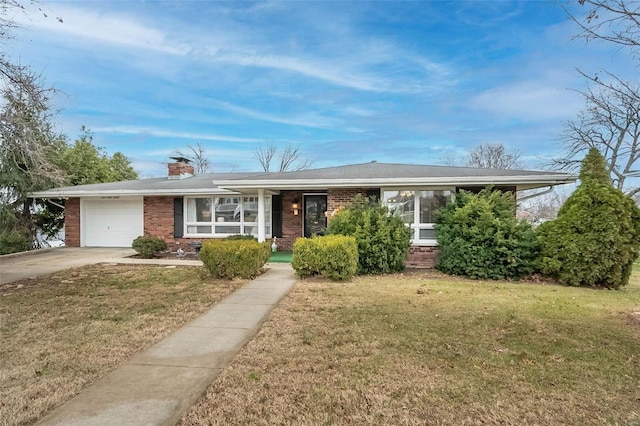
pixel 261 225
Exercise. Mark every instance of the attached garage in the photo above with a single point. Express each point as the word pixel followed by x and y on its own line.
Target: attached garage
pixel 111 222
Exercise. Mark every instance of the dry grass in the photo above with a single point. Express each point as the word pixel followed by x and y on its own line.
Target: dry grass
pixel 62 332
pixel 417 349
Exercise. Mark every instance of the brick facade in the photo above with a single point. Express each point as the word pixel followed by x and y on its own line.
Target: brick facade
pixel 422 257
pixel 158 221
pixel 72 222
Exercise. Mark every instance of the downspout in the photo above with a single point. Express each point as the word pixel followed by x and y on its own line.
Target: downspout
pixel 537 194
pixel 54 203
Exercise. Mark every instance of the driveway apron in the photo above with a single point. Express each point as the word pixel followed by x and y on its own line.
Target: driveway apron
pixel 42 262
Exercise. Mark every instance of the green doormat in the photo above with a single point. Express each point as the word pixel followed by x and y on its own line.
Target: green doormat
pixel 281 257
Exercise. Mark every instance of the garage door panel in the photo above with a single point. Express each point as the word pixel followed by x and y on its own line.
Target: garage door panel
pixel 112 223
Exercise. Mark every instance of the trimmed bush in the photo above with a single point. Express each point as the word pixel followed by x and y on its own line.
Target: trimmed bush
pixel 383 240
pixel 595 238
pixel 242 237
pixel 234 258
pixel 149 246
pixel 480 237
pixel 332 256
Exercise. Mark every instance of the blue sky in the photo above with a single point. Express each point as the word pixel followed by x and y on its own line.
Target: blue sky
pixel 346 82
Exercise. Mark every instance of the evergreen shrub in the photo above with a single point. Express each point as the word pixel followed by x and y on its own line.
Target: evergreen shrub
pixel 479 237
pixel 242 237
pixel 595 238
pixel 234 258
pixel 149 246
pixel 383 239
pixel 331 256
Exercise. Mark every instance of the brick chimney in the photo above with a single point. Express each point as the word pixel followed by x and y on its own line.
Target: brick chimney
pixel 181 169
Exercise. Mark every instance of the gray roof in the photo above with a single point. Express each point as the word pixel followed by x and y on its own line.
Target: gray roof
pixel 367 174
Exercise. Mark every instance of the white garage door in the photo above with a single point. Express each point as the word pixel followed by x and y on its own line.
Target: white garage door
pixel 112 223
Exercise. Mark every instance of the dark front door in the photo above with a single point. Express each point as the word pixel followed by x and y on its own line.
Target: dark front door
pixel 315 221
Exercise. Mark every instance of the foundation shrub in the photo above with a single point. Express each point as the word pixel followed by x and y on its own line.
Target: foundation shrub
pixel 479 237
pixel 332 256
pixel 383 240
pixel 242 237
pixel 234 258
pixel 148 246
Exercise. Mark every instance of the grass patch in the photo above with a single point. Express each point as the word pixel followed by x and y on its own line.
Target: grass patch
pixel 64 331
pixel 422 348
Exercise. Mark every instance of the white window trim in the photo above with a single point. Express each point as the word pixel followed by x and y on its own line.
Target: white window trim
pixel 416 226
pixel 241 224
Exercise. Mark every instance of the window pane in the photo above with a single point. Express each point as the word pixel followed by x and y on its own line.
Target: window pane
pixel 227 209
pixel 427 234
pixel 228 229
pixel 401 204
pixel 193 229
pixel 199 210
pixel 250 206
pixel 430 202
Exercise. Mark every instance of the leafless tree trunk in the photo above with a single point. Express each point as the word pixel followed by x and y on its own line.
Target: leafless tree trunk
pixel 610 122
pixel 494 156
pixel 291 158
pixel 264 155
pixel 197 155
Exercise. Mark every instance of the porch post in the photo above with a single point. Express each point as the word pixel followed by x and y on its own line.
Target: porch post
pixel 261 225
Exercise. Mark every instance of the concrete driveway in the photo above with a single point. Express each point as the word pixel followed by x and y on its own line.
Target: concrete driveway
pixel 16 267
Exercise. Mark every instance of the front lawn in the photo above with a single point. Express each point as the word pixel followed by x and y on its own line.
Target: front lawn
pixel 62 332
pixel 427 349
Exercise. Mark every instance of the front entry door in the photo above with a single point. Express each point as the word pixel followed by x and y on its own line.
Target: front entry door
pixel 315 221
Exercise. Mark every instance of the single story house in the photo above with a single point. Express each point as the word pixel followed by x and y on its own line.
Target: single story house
pixel 186 207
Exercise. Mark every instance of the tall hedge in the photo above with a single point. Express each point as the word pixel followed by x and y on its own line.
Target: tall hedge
pixel 383 240
pixel 480 237
pixel 595 238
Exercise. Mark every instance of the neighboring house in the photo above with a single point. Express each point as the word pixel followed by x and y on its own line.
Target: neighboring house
pixel 184 207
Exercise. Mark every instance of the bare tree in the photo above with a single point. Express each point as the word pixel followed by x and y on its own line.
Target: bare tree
pixel 264 155
pixel 197 156
pixel 290 157
pixel 494 156
pixel 613 21
pixel 610 122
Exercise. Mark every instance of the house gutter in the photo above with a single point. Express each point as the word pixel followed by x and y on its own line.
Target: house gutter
pixel 393 182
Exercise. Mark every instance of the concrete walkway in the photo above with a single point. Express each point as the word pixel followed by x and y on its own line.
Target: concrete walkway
pixel 159 385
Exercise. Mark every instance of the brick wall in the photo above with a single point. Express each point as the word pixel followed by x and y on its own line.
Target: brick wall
pixel 158 217
pixel 422 257
pixel 72 222
pixel 291 224
pixel 337 197
pixel 180 170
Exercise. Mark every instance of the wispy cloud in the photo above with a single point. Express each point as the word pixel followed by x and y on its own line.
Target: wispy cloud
pixel 135 130
pixel 307 120
pixel 111 27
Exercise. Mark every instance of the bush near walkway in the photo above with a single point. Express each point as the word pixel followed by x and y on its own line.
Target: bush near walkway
pixel 331 256
pixel 234 258
pixel 595 239
pixel 480 237
pixel 383 240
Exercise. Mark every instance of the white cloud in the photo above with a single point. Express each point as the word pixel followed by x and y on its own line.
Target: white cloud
pixel 528 100
pixel 117 29
pixel 308 120
pixel 135 130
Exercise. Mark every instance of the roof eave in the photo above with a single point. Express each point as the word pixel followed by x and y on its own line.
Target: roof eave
pixel 125 193
pixel 293 184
